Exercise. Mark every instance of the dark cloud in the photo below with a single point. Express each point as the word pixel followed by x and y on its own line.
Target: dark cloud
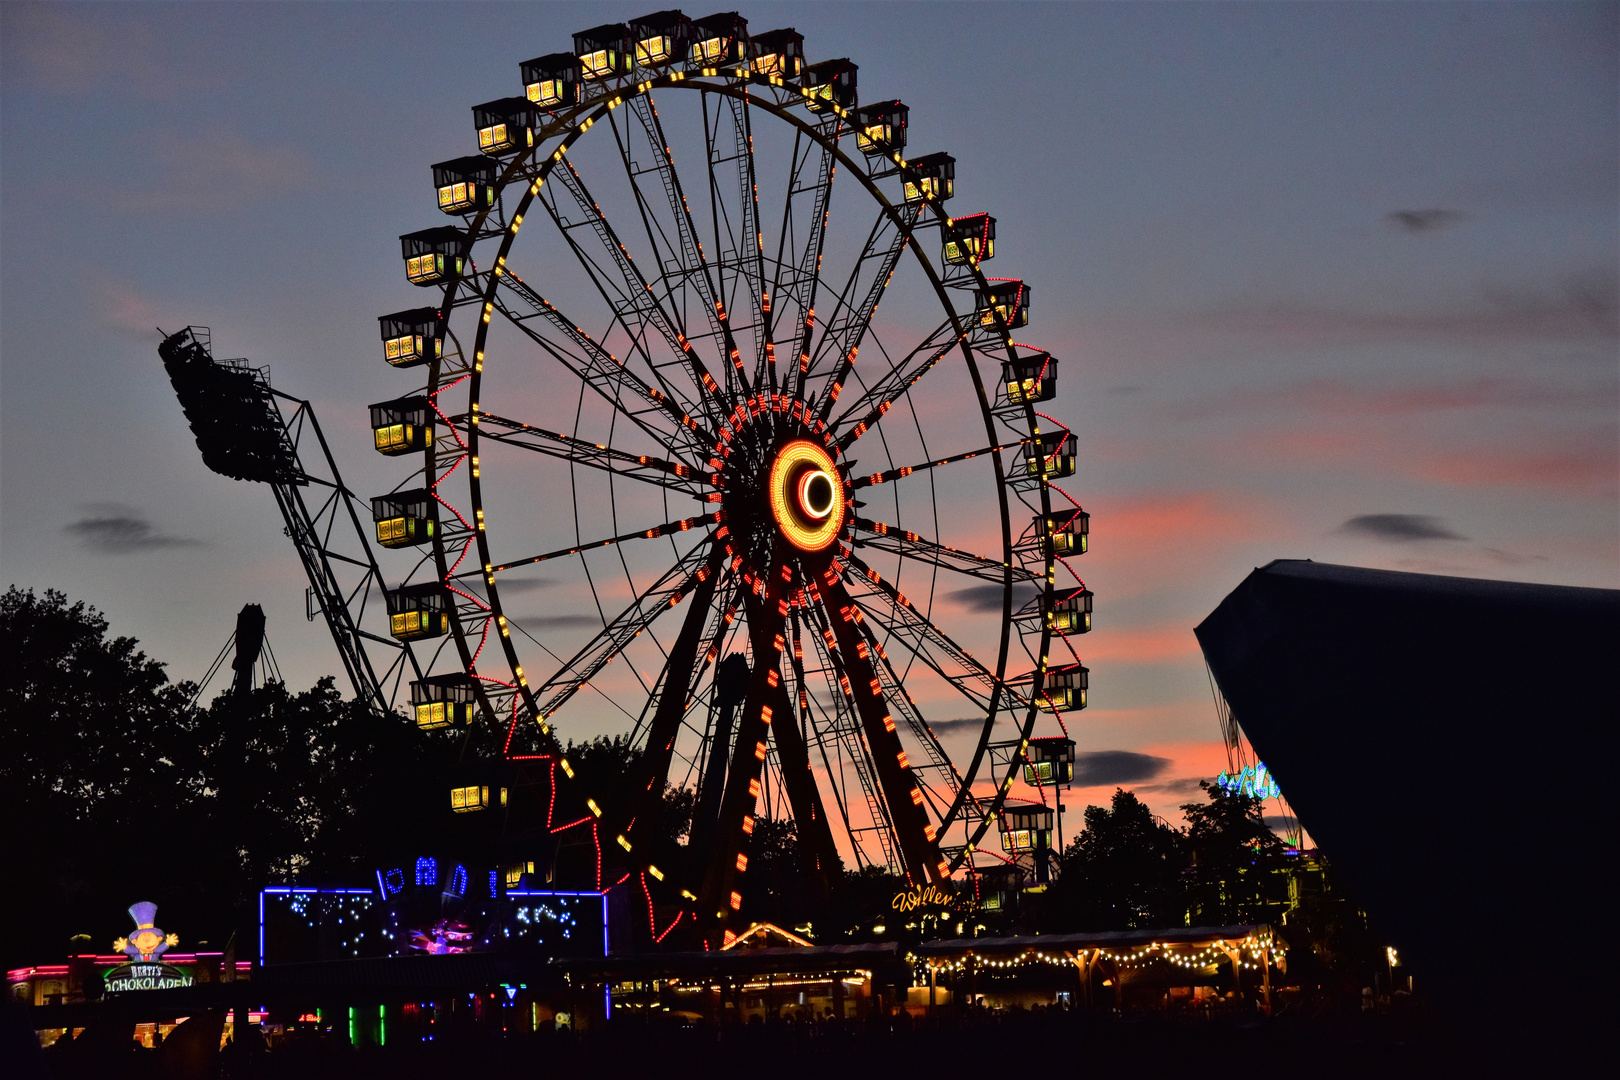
pixel 522 584
pixel 966 723
pixel 1587 297
pixel 988 597
pixel 1335 397
pixel 1123 390
pixel 120 530
pixel 1101 768
pixel 1402 528
pixel 1185 787
pixel 1578 305
pixel 1422 221
pixel 557 622
pixel 1512 558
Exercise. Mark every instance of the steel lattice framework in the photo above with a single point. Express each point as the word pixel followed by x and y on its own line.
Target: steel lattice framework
pixel 655 399
pixel 236 417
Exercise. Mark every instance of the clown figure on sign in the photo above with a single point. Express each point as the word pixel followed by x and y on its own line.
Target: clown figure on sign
pixel 147 942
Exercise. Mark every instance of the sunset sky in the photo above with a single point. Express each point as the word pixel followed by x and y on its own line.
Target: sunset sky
pixel 1333 282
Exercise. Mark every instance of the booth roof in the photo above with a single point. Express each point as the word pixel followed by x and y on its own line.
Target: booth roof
pixel 741 961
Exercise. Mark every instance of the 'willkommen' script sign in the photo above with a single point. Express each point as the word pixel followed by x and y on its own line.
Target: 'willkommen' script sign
pixel 923 897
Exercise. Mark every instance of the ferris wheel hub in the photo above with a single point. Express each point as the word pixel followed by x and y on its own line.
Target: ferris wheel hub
pixel 804 496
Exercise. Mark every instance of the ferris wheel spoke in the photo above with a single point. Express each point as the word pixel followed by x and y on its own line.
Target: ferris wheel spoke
pixel 802 260
pixel 635 306
pixel 842 333
pixel 740 250
pixel 897 541
pixel 843 734
pixel 809 814
pixel 669 528
pixel 673 694
pixel 672 475
pixel 802 716
pixel 877 399
pixel 595 367
pixel 665 593
pixel 711 756
pixel 907 470
pixel 917 838
pixel 889 608
pixel 922 733
pixel 693 265
pixel 721 890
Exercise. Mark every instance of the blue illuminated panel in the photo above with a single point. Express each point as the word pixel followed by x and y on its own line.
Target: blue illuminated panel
pixel 558 923
pixel 298 923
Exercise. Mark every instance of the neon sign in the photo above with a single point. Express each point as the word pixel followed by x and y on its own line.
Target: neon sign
pixel 143 972
pixel 1254 781
pixel 138 976
pixel 147 941
pixel 922 897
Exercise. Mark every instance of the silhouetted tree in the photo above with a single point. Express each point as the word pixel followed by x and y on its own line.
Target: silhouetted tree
pixel 315 786
pixel 1123 872
pixel 778 890
pixel 112 789
pixel 1239 870
pixel 93 786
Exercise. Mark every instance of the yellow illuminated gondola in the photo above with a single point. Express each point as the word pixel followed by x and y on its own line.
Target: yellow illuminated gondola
pixel 719 41
pixel 412 338
pixel 418 611
pixel 1006 302
pixel 1031 377
pixel 604 51
pixel 432 256
pixel 829 83
pixel 551 81
pixel 936 178
pixel 443 701
pixel 880 129
pixel 402 426
pixel 465 185
pixel 779 52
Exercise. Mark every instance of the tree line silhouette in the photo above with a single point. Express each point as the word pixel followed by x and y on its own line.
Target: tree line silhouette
pixel 114 788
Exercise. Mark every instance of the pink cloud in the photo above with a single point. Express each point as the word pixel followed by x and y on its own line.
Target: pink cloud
pixel 1149 519
pixel 1143 646
pixel 1335 397
pixel 1581 307
pixel 1154 526
pixel 91 52
pixel 213 170
pixel 1594 469
pixel 1584 464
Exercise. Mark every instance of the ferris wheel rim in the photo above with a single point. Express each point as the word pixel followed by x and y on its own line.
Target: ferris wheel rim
pixel 571 128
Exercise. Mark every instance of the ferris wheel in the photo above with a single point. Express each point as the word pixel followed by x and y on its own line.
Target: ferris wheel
pixel 681 481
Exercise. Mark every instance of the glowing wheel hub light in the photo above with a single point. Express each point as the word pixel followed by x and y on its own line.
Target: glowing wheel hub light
pixel 815 491
pixel 804 496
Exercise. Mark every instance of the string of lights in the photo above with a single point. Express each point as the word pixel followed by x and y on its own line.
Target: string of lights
pixel 1252 953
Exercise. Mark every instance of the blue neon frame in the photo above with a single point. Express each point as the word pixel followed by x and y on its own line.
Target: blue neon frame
pixel 547 892
pixel 284 890
pixel 607 989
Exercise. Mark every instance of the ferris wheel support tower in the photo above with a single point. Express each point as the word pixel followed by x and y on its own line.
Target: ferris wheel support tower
pixel 234 414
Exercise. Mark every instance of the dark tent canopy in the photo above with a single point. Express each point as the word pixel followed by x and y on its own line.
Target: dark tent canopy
pixel 1449 744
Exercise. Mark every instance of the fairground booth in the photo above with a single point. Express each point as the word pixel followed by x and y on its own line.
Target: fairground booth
pixel 145 985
